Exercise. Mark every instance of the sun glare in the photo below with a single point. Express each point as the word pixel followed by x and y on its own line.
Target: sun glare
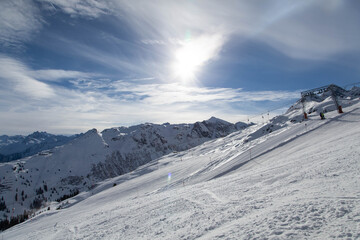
pixel 187 62
pixel 192 55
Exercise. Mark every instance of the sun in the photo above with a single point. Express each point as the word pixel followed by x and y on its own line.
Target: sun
pixel 187 62
pixel 192 54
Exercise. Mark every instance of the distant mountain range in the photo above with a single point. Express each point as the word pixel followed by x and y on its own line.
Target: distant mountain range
pixel 16 147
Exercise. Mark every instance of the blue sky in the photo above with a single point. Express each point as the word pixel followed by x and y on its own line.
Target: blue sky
pixel 70 65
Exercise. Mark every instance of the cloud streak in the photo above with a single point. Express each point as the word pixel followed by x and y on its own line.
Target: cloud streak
pixel 20 20
pixel 59 74
pixel 173 93
pixel 14 77
pixel 75 8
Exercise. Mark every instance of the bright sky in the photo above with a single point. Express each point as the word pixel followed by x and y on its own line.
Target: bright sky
pixel 70 65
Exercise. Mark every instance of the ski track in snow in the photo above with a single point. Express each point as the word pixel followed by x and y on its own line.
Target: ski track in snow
pixel 300 183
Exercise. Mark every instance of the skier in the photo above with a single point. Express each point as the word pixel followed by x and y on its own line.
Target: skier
pixel 322 116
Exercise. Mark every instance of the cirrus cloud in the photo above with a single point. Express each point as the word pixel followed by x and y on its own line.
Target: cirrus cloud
pixel 14 77
pixel 20 20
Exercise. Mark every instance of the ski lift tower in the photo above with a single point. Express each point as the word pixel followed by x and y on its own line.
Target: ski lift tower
pixel 320 90
pixel 332 88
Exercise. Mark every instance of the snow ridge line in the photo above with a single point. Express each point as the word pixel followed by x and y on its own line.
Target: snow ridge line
pixel 237 166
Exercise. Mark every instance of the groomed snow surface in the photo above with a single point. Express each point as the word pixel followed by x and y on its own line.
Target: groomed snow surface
pixel 299 182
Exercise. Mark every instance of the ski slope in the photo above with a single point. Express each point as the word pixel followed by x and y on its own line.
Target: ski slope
pixel 300 181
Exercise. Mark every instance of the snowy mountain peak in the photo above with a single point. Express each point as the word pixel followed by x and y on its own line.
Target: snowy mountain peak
pixel 216 120
pixel 90 139
pixel 337 91
pixel 213 128
pixel 38 134
pixel 242 125
pixel 91 131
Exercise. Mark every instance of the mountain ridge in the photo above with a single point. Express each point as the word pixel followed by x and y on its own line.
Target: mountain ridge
pixel 95 156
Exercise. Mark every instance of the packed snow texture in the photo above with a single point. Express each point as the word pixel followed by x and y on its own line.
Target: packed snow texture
pixel 287 179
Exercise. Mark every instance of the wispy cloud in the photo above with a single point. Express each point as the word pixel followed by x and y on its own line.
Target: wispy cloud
pixel 20 19
pixel 105 58
pixel 21 82
pixel 171 93
pixel 314 30
pixel 59 74
pixel 14 76
pixel 75 8
pixel 162 94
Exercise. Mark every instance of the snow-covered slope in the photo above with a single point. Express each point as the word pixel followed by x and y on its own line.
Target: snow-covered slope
pixel 92 157
pixel 287 179
pixel 16 147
